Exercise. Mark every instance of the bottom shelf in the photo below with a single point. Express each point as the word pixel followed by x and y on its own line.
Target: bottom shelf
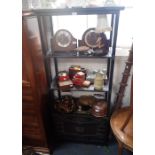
pixel 80 128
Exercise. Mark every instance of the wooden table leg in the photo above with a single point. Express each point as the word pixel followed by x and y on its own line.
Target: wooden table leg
pixel 120 148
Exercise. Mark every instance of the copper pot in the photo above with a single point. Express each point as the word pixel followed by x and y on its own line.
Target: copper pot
pixel 99 109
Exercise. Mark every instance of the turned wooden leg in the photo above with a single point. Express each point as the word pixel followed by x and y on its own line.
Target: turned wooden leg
pixel 120 148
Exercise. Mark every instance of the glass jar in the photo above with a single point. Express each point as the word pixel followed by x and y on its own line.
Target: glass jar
pixel 99 81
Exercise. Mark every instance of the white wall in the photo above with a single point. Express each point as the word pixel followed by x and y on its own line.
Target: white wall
pixel 118 70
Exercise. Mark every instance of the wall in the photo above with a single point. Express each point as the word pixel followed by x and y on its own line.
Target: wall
pixel 118 70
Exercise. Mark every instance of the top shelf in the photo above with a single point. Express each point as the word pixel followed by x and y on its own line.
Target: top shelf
pixel 79 11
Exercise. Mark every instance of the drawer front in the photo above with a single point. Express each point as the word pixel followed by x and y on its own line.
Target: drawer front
pixel 31 130
pixel 30 119
pixel 28 108
pixel 26 91
pixel 32 136
pixel 30 127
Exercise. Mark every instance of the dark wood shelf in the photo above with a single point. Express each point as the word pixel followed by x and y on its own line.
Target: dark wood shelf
pixel 74 54
pixel 78 114
pixel 68 127
pixel 78 11
pixel 89 89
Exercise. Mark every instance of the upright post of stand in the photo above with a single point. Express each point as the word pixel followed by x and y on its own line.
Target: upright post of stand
pixel 47 61
pixel 112 61
pixel 56 73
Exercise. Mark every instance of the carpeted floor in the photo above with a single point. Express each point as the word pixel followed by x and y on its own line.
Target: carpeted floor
pixel 87 149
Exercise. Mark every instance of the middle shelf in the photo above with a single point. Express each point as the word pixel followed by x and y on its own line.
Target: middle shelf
pixel 74 54
pixel 90 88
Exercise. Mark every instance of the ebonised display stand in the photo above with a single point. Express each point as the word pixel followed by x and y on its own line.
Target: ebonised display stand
pixel 75 126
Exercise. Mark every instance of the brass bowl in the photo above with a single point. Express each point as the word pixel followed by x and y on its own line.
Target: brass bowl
pixel 87 100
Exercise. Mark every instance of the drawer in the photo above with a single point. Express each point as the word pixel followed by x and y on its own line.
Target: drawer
pixel 30 127
pixel 27 91
pixel 31 136
pixel 28 108
pixel 30 119
pixel 27 98
pixel 30 130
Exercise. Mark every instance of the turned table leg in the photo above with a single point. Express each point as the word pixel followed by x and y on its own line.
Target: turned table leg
pixel 120 148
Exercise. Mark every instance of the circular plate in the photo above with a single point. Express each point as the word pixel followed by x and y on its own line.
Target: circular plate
pixel 63 38
pixel 93 39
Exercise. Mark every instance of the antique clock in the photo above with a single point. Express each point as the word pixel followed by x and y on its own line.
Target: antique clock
pixel 91 38
pixel 63 41
pixel 95 40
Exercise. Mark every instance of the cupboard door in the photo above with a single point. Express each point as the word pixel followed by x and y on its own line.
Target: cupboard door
pixel 34 85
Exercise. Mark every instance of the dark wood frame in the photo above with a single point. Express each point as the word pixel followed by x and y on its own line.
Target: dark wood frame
pixel 45 14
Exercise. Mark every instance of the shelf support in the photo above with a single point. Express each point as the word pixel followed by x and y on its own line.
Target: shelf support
pixel 112 61
pixel 56 73
pixel 112 23
pixel 46 61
